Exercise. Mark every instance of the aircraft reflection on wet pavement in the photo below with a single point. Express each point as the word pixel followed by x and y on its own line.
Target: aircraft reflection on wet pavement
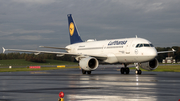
pixel 104 84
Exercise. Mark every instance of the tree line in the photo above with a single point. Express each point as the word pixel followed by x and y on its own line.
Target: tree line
pixel 42 57
pixel 175 55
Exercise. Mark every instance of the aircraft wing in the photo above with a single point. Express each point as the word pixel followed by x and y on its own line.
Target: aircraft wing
pixel 100 57
pixel 167 51
pixel 33 51
pixel 54 47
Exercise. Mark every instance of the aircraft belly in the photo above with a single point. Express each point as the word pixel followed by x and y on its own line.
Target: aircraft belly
pixel 125 59
pixel 133 59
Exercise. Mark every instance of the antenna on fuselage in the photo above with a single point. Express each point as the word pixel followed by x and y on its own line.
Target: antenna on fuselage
pixel 136 36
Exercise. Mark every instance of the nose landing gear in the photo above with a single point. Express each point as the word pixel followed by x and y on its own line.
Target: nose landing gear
pixel 138 71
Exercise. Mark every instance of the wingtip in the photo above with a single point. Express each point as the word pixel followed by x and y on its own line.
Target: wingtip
pixel 173 50
pixel 3 49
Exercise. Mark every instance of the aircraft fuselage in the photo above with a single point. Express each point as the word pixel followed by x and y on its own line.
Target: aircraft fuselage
pixel 117 50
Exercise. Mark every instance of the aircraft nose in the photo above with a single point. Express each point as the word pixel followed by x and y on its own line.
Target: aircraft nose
pixel 153 52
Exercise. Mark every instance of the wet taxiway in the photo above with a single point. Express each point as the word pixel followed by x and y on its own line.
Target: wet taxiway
pixel 104 84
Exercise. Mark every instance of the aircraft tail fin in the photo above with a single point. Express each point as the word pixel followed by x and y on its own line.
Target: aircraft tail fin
pixel 73 32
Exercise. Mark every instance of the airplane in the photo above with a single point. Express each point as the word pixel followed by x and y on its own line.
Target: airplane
pixel 91 53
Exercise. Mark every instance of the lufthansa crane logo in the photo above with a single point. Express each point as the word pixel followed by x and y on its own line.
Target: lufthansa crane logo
pixel 71 28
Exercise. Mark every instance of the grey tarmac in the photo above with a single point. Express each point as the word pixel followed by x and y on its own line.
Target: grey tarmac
pixel 104 84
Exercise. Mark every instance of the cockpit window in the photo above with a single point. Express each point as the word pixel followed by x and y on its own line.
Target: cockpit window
pixel 141 45
pixel 151 45
pixel 137 45
pixel 144 45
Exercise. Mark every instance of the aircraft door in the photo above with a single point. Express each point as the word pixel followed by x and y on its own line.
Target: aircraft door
pixel 103 47
pixel 128 47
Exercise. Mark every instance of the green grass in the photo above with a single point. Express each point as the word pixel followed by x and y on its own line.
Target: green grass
pixel 22 62
pixel 168 68
pixel 27 69
pixel 165 68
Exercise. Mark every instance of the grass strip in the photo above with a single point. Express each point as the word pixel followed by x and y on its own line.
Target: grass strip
pixel 168 68
pixel 22 62
pixel 165 68
pixel 28 69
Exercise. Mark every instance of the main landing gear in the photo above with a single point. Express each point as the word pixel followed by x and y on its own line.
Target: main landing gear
pixel 125 69
pixel 84 72
pixel 138 71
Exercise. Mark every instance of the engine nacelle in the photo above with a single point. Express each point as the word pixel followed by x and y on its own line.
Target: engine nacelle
pixel 151 65
pixel 88 63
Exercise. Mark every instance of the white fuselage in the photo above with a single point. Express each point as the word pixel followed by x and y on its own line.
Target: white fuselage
pixel 117 50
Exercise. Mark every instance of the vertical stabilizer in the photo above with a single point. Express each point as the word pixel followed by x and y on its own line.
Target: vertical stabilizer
pixel 73 32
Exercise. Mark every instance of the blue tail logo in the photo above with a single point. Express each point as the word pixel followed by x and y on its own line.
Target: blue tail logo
pixel 73 32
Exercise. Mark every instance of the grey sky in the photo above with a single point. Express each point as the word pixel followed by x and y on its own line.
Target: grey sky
pixel 27 24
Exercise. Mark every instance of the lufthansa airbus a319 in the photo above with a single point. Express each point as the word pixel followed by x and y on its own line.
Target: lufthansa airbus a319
pixel 91 53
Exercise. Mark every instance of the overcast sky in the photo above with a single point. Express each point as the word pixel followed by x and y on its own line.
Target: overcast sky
pixel 27 24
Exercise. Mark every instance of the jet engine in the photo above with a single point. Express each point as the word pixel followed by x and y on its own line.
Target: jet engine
pixel 151 65
pixel 88 63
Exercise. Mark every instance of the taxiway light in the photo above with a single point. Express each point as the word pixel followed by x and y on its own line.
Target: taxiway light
pixel 61 94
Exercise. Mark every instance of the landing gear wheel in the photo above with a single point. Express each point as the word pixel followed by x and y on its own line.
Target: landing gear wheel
pixel 138 72
pixel 89 72
pixel 127 70
pixel 83 71
pixel 123 70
